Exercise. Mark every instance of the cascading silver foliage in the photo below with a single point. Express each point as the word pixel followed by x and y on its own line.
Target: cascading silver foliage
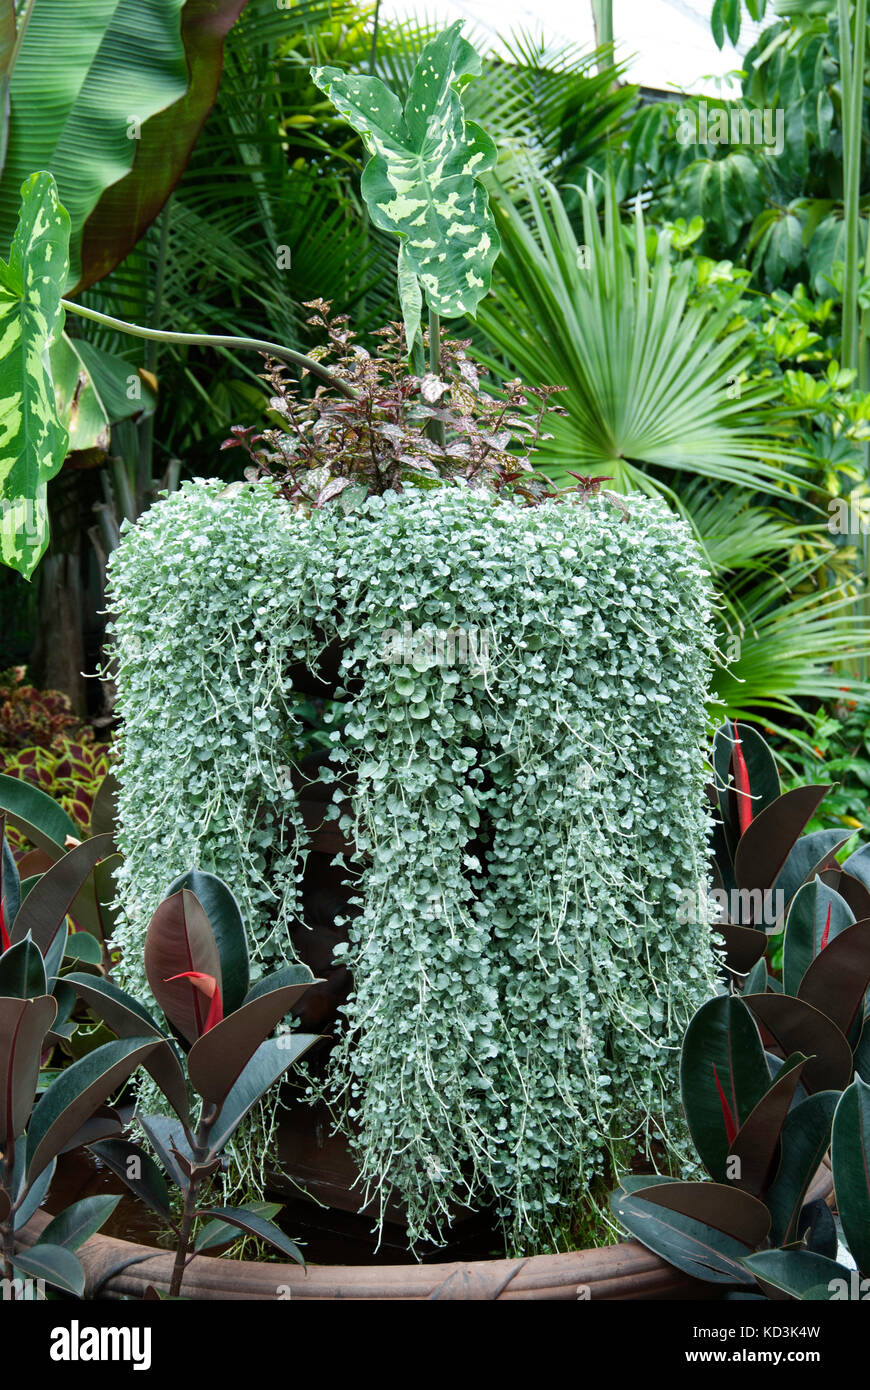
pixel 533 675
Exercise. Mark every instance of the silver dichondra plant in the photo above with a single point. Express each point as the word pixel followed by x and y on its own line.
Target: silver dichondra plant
pixel 528 820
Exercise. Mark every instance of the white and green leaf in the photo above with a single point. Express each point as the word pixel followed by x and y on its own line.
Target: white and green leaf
pixel 33 442
pixel 423 180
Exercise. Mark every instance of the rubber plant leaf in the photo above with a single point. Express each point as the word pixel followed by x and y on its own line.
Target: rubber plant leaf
pixel 43 912
pixel 423 179
pixel 796 1272
pixel 850 1161
pixel 138 1170
pixel 23 1026
pixel 36 815
pixel 271 1060
pixel 837 980
pixel 220 1056
pixel 129 1019
pixel 10 882
pixel 72 1227
pixel 805 927
pixel 704 1229
pixel 76 1093
pixel 796 1026
pixel 180 939
pixel 225 917
pixel 55 1265
pixel 756 1144
pixel 805 1138
pixel 255 1225
pixel 722 1061
pixel 766 844
pixel 33 442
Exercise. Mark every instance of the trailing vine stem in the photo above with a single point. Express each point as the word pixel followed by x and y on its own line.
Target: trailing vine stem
pixel 159 335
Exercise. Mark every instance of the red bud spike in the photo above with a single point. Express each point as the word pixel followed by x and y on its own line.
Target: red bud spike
pixel 827 931
pixel 5 943
pixel 207 985
pixel 741 781
pixel 730 1126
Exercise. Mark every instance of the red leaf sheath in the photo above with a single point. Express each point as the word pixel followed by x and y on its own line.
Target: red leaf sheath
pixel 730 1126
pixel 741 781
pixel 207 985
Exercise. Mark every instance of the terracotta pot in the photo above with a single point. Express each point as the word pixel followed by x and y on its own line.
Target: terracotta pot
pixel 117 1269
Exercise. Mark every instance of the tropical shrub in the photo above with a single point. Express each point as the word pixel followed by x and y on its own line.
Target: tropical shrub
pixel 217 1045
pixel 524 812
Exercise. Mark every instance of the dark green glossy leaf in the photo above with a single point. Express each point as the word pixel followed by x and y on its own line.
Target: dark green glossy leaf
pixel 251 1218
pixel 805 927
pixel 139 1171
pixel 837 979
pixel 41 819
pixel 721 1042
pixel 811 855
pixel 72 1227
pixel 798 1027
pixel 22 973
pixel 164 1135
pixel 795 1272
pixel 806 1135
pixel 37 1191
pixel 850 1161
pixel 694 1245
pixel 76 1093
pixel 128 1018
pixel 10 886
pixel 56 1265
pixel 766 845
pixel 80 945
pixel 42 914
pixel 218 1059
pixel 757 1142
pixel 23 1026
pixel 270 1061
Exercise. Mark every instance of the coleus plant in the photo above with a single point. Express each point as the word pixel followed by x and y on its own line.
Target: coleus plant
pixel 216 1044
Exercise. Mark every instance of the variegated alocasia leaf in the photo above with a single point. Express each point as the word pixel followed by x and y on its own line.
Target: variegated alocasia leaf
pixel 422 182
pixel 33 442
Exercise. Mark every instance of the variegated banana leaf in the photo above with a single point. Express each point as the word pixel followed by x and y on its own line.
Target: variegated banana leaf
pixel 33 442
pixel 110 97
pixel 422 182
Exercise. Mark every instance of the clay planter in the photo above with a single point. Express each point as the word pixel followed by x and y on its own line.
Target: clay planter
pixel 116 1269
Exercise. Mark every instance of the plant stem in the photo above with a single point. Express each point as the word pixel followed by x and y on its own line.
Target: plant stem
pixel 284 354
pixel 184 1233
pixel 19 37
pixel 436 427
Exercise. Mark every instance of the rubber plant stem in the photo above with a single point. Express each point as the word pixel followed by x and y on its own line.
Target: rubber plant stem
pixel 159 335
pixel 189 1213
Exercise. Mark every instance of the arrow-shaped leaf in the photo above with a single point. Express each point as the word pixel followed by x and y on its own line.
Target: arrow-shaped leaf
pixel 422 180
